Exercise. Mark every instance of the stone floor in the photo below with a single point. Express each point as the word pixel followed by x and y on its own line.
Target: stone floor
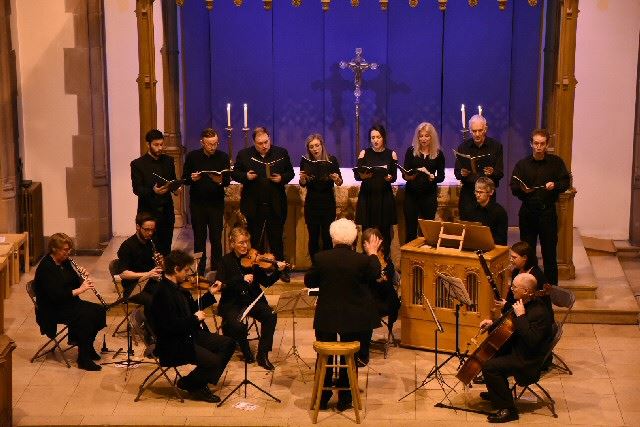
pixel 603 389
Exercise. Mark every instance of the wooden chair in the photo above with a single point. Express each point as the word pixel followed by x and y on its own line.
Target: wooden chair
pixel 54 341
pixel 336 349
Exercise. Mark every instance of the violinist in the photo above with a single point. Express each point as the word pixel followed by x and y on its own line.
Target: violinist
pixel 529 345
pixel 241 279
pixel 383 290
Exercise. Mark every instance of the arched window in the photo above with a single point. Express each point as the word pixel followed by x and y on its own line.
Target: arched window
pixel 418 288
pixel 472 290
pixel 443 298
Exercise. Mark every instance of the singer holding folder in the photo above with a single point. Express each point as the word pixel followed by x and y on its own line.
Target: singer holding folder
pixel 58 288
pixel 240 288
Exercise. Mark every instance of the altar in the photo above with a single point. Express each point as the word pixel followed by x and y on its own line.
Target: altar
pixel 295 229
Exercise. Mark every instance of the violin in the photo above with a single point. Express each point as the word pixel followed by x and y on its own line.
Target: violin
pixel 190 284
pixel 266 261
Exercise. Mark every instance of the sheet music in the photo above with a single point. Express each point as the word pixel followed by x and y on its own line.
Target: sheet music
pixel 255 301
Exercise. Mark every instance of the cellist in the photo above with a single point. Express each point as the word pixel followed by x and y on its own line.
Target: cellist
pixel 527 349
pixel 240 287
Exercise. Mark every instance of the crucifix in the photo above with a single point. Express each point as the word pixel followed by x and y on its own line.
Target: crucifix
pixel 358 65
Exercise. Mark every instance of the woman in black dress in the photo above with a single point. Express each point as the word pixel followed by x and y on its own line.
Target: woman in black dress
pixel 376 207
pixel 319 172
pixel 57 286
pixel 426 162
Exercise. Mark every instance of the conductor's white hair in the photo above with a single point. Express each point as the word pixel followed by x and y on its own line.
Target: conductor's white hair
pixel 478 118
pixel 343 231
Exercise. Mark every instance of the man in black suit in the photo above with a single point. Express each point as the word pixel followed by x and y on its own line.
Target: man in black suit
pixel 264 170
pixel 182 337
pixel 529 345
pixel 345 304
pixel 150 174
pixel 488 212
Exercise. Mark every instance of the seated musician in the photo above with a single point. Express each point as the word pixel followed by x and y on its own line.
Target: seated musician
pixel 241 287
pixel 488 212
pixel 181 336
pixel 529 345
pixel 344 301
pixel 58 286
pixel 385 296
pixel 136 261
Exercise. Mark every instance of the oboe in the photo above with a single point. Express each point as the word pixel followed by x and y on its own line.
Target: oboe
pixel 84 277
pixel 157 256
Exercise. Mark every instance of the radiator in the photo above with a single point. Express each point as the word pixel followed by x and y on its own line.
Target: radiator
pixel 31 220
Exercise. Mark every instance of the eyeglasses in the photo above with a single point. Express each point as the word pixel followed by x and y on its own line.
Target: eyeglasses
pixel 242 242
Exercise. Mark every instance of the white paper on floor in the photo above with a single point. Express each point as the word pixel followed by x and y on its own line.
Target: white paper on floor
pixel 246 406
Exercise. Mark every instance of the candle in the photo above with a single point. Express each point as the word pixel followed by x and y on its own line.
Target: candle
pixel 480 109
pixel 464 119
pixel 246 122
pixel 228 115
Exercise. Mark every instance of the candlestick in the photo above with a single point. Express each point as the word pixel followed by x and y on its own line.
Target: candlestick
pixel 228 115
pixel 480 110
pixel 464 118
pixel 245 116
pixel 229 130
pixel 246 136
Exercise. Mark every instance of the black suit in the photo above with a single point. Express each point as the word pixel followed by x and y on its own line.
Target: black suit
pixel 528 348
pixel 182 340
pixel 237 295
pixel 345 304
pixel 158 205
pixel 263 202
pixel 53 285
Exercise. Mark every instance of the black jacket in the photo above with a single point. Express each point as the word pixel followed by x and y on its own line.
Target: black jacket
pixel 174 322
pixel 262 189
pixel 143 180
pixel 345 303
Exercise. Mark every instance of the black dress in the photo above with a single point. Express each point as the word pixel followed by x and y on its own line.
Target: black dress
pixel 376 205
pixel 421 194
pixel 53 285
pixel 320 201
pixel 385 295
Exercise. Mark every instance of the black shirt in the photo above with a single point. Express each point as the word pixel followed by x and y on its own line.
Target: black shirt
pixel 135 255
pixel 494 150
pixel 320 201
pixel 493 216
pixel 205 190
pixel 143 180
pixel 421 183
pixel 538 172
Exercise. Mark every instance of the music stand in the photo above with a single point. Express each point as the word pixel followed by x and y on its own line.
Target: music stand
pixel 434 373
pixel 290 301
pixel 456 289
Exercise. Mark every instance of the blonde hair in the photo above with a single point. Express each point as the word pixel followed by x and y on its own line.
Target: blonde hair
pixel 236 232
pixel 324 155
pixel 434 145
pixel 58 240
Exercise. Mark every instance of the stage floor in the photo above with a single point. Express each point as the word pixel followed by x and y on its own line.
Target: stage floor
pixel 602 391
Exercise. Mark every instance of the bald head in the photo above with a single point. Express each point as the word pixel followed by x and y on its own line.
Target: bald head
pixel 524 284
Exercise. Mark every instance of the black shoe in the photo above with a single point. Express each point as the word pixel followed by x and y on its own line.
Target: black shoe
pixel 479 379
pixel 263 361
pixel 324 404
pixel 88 365
pixel 205 395
pixel 285 277
pixel 93 354
pixel 343 405
pixel 181 384
pixel 484 395
pixel 503 416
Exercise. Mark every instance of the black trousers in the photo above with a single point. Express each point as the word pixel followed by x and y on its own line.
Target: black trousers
pixel 165 220
pixel 387 235
pixel 232 326
pixel 423 206
pixel 267 229
pixel 207 216
pixel 542 224
pixel 84 321
pixel 343 378
pixel 496 372
pixel 213 352
pixel 316 231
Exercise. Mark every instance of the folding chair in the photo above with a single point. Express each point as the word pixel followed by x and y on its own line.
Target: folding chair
pixel 114 270
pixel 142 326
pixel 563 298
pixel 56 340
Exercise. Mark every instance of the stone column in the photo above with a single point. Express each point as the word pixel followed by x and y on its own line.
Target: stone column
pixel 146 70
pixel 171 88
pixel 9 178
pixel 560 119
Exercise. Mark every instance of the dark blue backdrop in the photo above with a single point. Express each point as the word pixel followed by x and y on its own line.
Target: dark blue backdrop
pixel 284 64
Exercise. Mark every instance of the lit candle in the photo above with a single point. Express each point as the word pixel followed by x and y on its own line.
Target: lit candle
pixel 480 109
pixel 246 122
pixel 464 118
pixel 228 115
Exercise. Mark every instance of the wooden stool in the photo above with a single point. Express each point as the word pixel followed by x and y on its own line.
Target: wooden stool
pixel 336 349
